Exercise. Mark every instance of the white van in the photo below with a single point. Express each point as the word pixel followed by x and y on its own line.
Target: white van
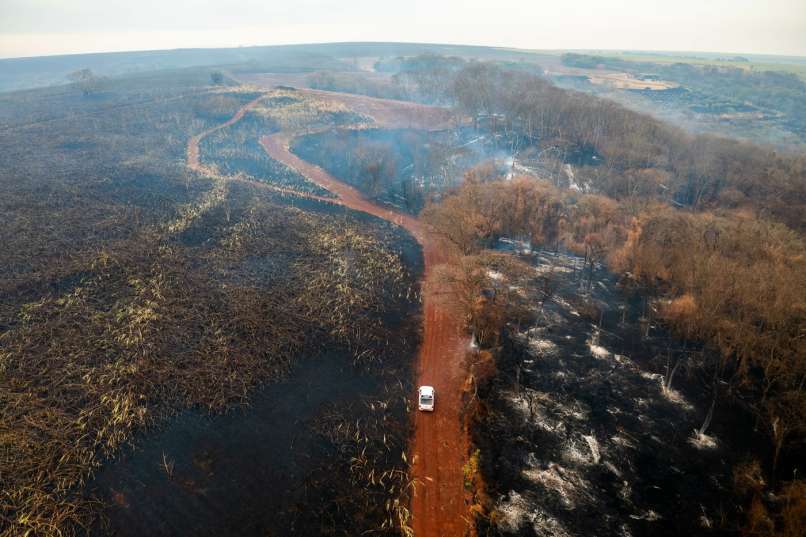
pixel 425 398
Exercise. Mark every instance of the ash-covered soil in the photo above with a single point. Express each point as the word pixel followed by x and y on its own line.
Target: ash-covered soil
pixel 578 434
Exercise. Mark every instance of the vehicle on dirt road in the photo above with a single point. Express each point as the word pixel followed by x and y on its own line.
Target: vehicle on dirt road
pixel 425 399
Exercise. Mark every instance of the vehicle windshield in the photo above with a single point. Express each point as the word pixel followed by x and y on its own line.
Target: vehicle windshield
pixel 425 397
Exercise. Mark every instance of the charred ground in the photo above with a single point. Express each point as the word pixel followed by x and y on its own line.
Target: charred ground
pixel 137 290
pixel 580 429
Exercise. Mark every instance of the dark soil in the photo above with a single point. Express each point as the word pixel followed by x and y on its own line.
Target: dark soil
pixel 244 473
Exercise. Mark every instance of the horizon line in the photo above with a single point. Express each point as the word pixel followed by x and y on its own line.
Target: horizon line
pixel 421 43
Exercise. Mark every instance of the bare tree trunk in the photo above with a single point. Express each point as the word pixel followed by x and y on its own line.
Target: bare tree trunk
pixel 708 417
pixel 667 384
pixel 518 379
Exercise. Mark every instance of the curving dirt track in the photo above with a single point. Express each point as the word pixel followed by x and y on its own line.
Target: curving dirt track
pixel 387 113
pixel 439 447
pixel 440 444
pixel 193 161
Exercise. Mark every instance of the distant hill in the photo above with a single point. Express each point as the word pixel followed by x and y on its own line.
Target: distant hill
pixel 26 73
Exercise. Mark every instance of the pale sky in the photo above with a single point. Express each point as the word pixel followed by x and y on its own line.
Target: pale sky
pixel 43 27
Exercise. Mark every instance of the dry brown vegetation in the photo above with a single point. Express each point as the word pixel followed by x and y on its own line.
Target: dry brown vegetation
pixel 788 516
pixel 734 282
pixel 485 308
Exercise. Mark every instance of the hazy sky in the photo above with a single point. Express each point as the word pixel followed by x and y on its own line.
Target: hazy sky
pixel 40 27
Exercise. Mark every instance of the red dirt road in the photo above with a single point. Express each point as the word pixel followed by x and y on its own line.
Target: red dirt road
pixel 440 443
pixel 193 161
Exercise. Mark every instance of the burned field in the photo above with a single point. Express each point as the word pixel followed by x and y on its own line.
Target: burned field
pixel 322 451
pixel 592 422
pixel 140 298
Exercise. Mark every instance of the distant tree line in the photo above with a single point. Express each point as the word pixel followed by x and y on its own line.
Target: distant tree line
pixel 355 83
pixel 640 156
